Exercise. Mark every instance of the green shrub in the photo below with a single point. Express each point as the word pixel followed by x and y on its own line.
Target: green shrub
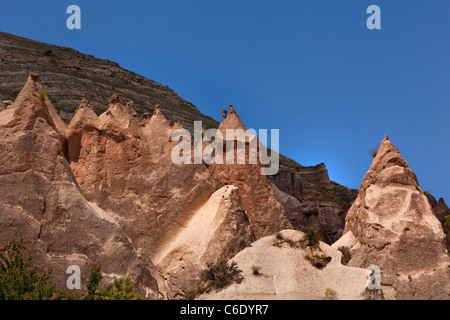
pixel 256 270
pixel 279 236
pixel 447 220
pixel 312 237
pixel 373 152
pixel 121 289
pixel 93 283
pixel 220 274
pixel 42 95
pixel 19 278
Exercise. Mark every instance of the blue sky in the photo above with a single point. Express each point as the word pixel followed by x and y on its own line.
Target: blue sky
pixel 309 68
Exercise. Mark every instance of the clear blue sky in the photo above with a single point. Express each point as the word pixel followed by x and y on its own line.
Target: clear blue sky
pixel 309 68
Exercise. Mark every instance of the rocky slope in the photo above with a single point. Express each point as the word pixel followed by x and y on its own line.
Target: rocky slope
pixel 391 225
pixel 68 74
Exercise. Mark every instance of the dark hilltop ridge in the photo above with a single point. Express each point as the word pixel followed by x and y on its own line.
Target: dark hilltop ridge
pixel 68 74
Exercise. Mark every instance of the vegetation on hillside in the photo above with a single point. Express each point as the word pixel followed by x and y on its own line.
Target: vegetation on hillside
pixel 20 279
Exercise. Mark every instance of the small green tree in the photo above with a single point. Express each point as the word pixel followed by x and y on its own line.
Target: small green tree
pixel 312 237
pixel 19 278
pixel 447 220
pixel 123 289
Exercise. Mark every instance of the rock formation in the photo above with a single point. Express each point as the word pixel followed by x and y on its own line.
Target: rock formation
pixel 2 105
pixel 127 170
pixel 391 225
pixel 266 214
pixel 33 86
pixel 41 201
pixel 218 230
pixel 310 199
pixel 285 274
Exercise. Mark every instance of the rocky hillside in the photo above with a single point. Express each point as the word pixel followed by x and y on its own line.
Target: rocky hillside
pixel 67 75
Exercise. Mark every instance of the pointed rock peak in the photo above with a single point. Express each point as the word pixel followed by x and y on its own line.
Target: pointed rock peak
pixel 33 87
pixel 158 124
pixel 157 109
pixel 389 167
pixel 30 110
pixel 131 109
pixel 85 103
pixel 116 99
pixel 158 116
pixel 85 115
pixel 232 121
pixel 177 125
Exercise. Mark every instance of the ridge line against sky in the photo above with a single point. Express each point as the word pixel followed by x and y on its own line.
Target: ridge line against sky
pixel 311 69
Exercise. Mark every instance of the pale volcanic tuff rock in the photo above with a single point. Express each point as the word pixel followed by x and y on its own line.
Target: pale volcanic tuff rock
pixel 33 86
pixel 169 211
pixel 218 230
pixel 393 226
pixel 41 201
pixel 265 212
pixel 285 274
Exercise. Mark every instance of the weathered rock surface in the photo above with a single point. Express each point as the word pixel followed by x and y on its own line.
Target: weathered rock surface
pixel 265 212
pixel 285 273
pixel 41 201
pixel 218 230
pixel 310 199
pixel 395 228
